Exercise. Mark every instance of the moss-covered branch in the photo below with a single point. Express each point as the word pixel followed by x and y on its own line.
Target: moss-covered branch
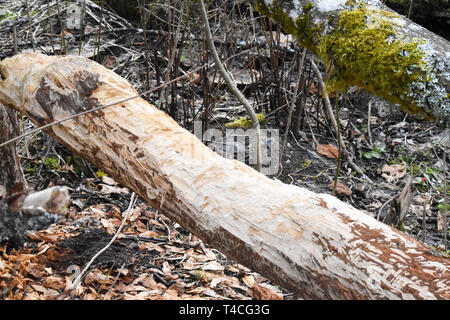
pixel 366 44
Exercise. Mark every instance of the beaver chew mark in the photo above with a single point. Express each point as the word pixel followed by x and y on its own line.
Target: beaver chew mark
pixel 71 96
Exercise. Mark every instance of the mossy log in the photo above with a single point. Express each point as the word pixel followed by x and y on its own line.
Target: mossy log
pixel 312 244
pixel 364 43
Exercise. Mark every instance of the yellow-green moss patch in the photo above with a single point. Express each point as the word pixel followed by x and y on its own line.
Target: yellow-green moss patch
pixel 244 122
pixel 303 29
pixel 364 50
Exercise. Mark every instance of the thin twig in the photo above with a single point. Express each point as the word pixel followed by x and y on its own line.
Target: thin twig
pixel 114 282
pixel 146 55
pixel 333 121
pixel 445 191
pixel 424 222
pixel 292 105
pixel 172 55
pixel 369 131
pixel 77 281
pixel 29 26
pixel 384 204
pixel 232 85
pixel 339 158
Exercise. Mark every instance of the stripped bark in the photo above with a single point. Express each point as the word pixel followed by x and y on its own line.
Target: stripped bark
pixel 312 244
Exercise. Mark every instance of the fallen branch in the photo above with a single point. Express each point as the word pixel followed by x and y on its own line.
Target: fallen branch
pixel 312 244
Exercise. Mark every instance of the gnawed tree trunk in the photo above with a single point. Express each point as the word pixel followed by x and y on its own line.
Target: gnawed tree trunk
pixel 364 43
pixel 312 244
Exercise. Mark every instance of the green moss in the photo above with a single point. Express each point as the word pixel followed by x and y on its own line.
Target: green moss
pixel 52 164
pixel 244 122
pixel 365 50
pixel 303 29
pixel 100 174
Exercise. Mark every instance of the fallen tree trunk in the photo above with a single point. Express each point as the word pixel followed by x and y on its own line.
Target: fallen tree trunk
pixel 364 43
pixel 312 244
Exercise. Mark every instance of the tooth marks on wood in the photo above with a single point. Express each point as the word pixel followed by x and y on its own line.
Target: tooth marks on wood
pixel 72 97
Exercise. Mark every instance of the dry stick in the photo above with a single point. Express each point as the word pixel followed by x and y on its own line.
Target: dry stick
pixel 114 282
pixel 143 26
pixel 63 49
pixel 172 55
pixel 410 8
pixel 333 120
pixel 385 204
pixel 292 106
pixel 424 222
pixel 232 85
pixel 103 106
pixel 97 56
pixel 29 25
pixel 445 192
pixel 51 26
pixel 14 40
pixel 83 12
pixel 78 279
pixel 339 158
pixel 369 131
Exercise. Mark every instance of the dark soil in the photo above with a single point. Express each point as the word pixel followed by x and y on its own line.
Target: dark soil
pixel 80 249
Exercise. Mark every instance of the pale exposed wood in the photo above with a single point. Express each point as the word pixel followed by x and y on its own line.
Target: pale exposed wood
pixel 312 244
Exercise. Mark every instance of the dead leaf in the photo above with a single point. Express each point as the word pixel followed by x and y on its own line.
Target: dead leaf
pixel 108 180
pixel 262 293
pixel 39 288
pixel 340 188
pixel 177 286
pixel 45 235
pixel 213 266
pixel 249 280
pixel 327 150
pixel 96 276
pixel 35 269
pixel 393 173
pixel 170 294
pixel 214 282
pixel 166 268
pixel 56 283
pixel 33 295
pixel 108 225
pixel 66 33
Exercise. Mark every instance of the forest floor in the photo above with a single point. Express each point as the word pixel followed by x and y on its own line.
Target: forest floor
pixel 154 257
